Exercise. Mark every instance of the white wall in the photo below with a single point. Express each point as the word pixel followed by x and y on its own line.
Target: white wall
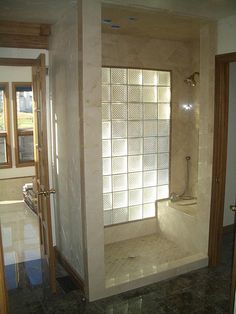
pixel 15 74
pixel 230 186
pixel 226 39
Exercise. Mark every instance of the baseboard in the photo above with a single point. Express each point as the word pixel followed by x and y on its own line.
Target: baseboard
pixel 78 281
pixel 228 229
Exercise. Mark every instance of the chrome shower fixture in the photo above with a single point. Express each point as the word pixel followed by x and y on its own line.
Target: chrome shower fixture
pixel 191 79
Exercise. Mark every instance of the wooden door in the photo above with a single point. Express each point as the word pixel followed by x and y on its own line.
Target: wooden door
pixel 41 167
pixel 3 291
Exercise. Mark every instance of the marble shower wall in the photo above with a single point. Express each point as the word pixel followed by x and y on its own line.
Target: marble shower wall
pixel 182 59
pixel 64 98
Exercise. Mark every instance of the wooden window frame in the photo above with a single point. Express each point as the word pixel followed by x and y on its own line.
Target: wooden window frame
pixel 6 134
pixel 17 132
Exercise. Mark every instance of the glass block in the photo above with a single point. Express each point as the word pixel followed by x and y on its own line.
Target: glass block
pixel 135 76
pixel 26 147
pixel 134 93
pixel 135 180
pixel 107 186
pixel 150 111
pixel 107 217
pixel 119 111
pixel 150 128
pixel 135 212
pixel 149 195
pixel 135 129
pixel 106 96
pixel 118 76
pixel 119 129
pixel 119 147
pixel 106 112
pixel 3 151
pixel 149 210
pixel 149 77
pixel 163 94
pixel 150 145
pixel 162 192
pixel 163 160
pixel 106 130
pixel 120 199
pixel 163 144
pixel 106 148
pixel 134 163
pixel 164 78
pixel 150 162
pixel 119 165
pixel 149 94
pixel 120 215
pixel 163 127
pixel 135 111
pixel 135 197
pixel 106 166
pixel 119 93
pixel 163 177
pixel 135 146
pixel 106 78
pixel 119 182
pixel 107 201
pixel 150 178
pixel 164 111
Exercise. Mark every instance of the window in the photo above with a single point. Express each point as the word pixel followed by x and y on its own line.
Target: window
pixel 5 149
pixel 135 140
pixel 24 124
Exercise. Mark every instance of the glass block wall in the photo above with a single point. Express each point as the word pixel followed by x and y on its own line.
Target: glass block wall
pixel 135 141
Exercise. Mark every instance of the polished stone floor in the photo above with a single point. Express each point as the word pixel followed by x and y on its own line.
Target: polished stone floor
pixel 204 291
pixel 20 233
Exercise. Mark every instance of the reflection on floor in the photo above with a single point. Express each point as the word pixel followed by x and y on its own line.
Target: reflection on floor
pixel 202 291
pixel 136 258
pixel 20 232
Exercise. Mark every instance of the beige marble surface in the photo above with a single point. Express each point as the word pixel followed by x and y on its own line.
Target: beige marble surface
pixel 129 260
pixel 20 232
pixel 64 98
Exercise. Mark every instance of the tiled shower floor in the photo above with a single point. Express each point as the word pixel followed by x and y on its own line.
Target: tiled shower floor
pixel 140 257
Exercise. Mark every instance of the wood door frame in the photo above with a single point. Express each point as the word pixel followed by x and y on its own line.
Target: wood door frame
pixel 222 63
pixel 30 63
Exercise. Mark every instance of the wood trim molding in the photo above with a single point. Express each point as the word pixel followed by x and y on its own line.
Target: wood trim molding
pixel 219 155
pixel 78 281
pixel 3 290
pixel 24 35
pixel 17 62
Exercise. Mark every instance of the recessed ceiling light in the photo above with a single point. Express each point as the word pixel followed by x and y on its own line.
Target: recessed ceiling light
pixel 115 26
pixel 132 18
pixel 106 21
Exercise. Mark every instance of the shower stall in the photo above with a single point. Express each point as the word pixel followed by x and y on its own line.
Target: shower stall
pixel 144 210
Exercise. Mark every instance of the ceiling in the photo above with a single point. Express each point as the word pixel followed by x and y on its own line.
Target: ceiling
pixel 153 18
pixel 49 11
pixel 211 9
pixel 154 24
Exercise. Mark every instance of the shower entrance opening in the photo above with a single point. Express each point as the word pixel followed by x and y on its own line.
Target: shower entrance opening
pixel 135 142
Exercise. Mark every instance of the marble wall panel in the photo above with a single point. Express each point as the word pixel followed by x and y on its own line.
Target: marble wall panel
pixel 64 99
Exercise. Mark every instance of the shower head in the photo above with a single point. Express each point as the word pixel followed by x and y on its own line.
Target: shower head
pixel 191 79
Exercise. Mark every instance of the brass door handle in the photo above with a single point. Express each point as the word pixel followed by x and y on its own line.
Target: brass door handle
pixel 233 207
pixel 47 193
